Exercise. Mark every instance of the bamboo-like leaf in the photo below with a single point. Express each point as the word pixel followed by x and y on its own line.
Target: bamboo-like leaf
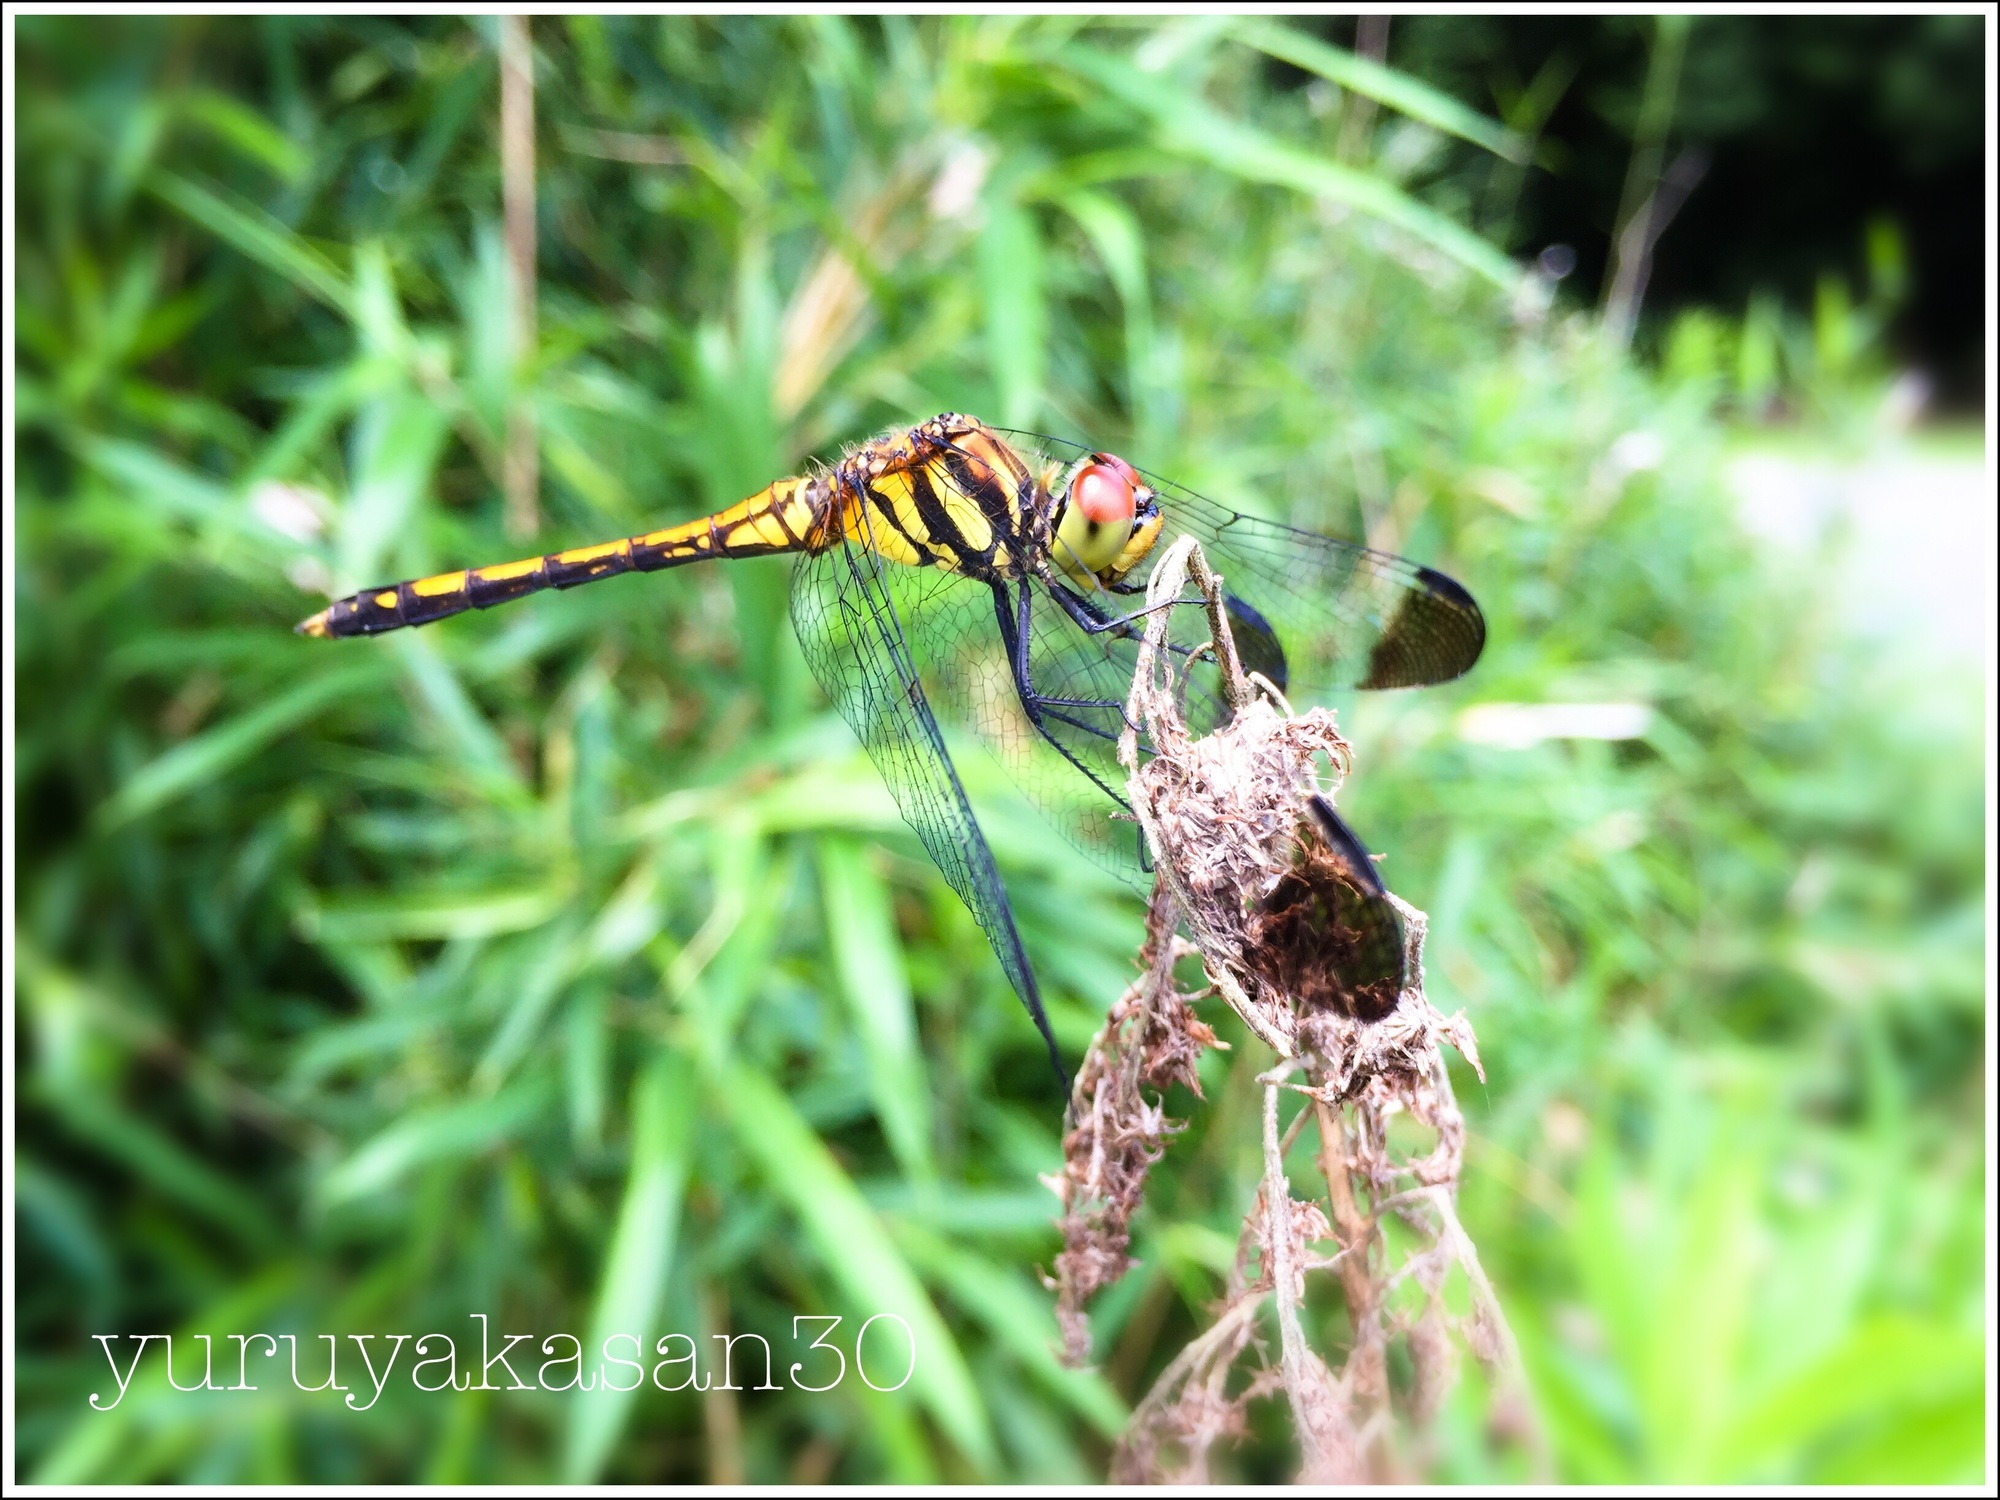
pixel 409 916
pixel 164 1165
pixel 1705 1272
pixel 256 234
pixel 1942 1444
pixel 397 441
pixel 319 407
pixel 1115 235
pixel 210 755
pixel 1018 1317
pixel 640 1255
pixel 869 963
pixel 181 492
pixel 478 746
pixel 535 980
pixel 856 1251
pixel 1886 1364
pixel 249 133
pixel 1192 129
pixel 1386 86
pixel 1017 320
pixel 452 1132
pixel 377 311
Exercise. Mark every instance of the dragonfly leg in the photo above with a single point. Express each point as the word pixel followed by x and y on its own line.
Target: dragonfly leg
pixel 1255 643
pixel 1095 624
pixel 1079 610
pixel 1015 634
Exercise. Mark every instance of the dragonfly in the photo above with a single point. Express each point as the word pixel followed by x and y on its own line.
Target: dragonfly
pixel 994 574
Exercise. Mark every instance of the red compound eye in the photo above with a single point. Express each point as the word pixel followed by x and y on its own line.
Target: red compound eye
pixel 1131 474
pixel 1103 492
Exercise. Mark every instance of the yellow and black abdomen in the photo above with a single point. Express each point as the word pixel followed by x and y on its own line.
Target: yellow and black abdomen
pixel 783 518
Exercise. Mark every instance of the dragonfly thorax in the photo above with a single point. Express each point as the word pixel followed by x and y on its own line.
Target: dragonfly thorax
pixel 946 494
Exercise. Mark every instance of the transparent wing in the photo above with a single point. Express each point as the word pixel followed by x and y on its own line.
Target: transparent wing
pixel 1058 743
pixel 857 648
pixel 1322 612
pixel 1336 939
pixel 1067 764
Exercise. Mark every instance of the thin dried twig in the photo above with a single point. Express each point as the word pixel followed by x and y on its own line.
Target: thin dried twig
pixel 1288 1284
pixel 1225 819
pixel 1150 1039
pixel 521 461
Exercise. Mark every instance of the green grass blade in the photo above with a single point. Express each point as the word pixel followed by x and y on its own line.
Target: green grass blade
pixel 467 737
pixel 640 1255
pixel 1192 129
pixel 398 440
pixel 868 961
pixel 1701 1303
pixel 255 233
pixel 1018 1316
pixel 248 133
pixel 164 1165
pixel 453 1132
pixel 1120 244
pixel 1017 320
pixel 858 1252
pixel 420 916
pixel 1386 86
pixel 208 757
pixel 1893 1363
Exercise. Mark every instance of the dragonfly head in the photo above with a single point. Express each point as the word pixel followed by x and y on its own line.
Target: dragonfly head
pixel 1107 522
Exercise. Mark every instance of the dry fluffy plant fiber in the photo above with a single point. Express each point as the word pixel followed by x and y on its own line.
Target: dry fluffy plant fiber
pixel 1225 817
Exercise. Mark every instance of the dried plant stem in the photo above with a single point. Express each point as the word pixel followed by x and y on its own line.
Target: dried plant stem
pixel 1356 1231
pixel 1286 1283
pixel 1171 575
pixel 1114 1139
pixel 1357 110
pixel 1224 816
pixel 1226 1334
pixel 721 1419
pixel 521 462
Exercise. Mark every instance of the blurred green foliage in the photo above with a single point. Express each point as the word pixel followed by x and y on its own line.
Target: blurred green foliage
pixel 570 964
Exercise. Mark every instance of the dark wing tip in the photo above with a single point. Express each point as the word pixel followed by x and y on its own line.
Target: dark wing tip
pixel 1257 645
pixel 1345 846
pixel 1448 588
pixel 1327 934
pixel 1376 969
pixel 1436 635
pixel 1471 623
